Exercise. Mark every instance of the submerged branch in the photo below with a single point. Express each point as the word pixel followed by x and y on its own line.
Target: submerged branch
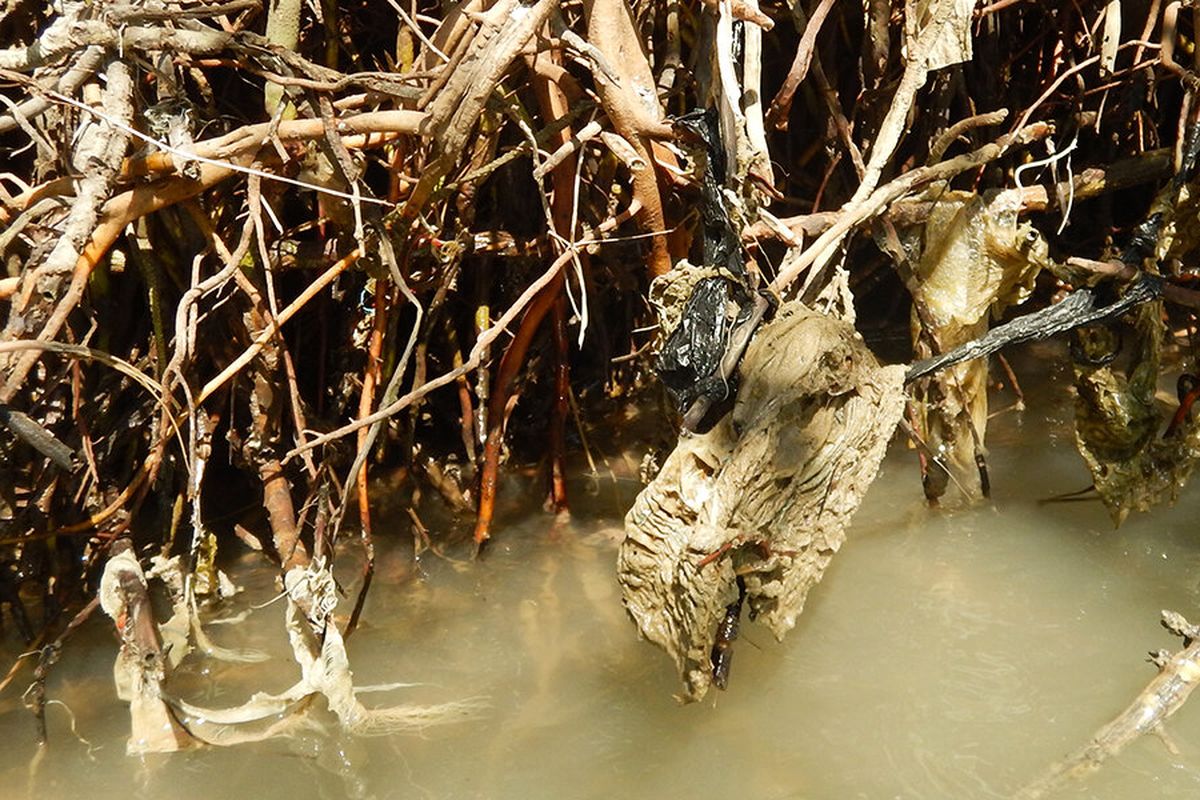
pixel 1178 675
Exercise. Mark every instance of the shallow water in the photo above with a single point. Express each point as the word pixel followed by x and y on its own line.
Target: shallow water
pixel 947 654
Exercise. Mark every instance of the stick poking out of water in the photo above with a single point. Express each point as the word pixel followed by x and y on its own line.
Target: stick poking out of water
pixel 1178 675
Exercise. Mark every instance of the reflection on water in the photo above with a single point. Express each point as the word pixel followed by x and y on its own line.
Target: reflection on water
pixel 947 654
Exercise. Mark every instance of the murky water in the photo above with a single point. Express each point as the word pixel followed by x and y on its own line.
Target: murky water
pixel 946 655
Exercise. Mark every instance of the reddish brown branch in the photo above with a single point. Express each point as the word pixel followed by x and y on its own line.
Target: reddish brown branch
pixel 281 515
pixel 558 423
pixel 371 378
pixel 510 364
pixel 553 104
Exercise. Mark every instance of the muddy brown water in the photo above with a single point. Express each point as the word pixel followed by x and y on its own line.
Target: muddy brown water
pixel 947 654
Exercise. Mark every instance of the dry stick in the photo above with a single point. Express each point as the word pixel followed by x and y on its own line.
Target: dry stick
pixel 68 34
pixel 451 120
pixel 187 320
pixel 1077 68
pixel 46 151
pixel 894 121
pixel 1120 271
pixel 281 515
pixel 588 132
pixel 951 134
pixel 1147 29
pixel 283 31
pixel 727 94
pixel 233 269
pixel 228 151
pixel 430 47
pixel 117 213
pixel 450 32
pixel 83 68
pixel 136 11
pixel 34 211
pixel 249 139
pixel 384 83
pixel 752 104
pixel 254 201
pixel 265 335
pixel 782 104
pixel 833 102
pixel 853 214
pixel 893 126
pixel 87 442
pixel 451 71
pixel 1091 182
pixel 1163 696
pixel 102 147
pixel 100 517
pixel 277 491
pixel 737 90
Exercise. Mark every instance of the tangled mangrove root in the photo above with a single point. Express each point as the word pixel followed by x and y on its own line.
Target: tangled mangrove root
pixel 257 254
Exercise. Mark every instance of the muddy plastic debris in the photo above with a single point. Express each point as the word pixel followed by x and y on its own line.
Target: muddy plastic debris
pixel 765 495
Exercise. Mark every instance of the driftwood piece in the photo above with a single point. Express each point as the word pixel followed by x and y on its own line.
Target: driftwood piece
pixel 765 495
pixel 1178 675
